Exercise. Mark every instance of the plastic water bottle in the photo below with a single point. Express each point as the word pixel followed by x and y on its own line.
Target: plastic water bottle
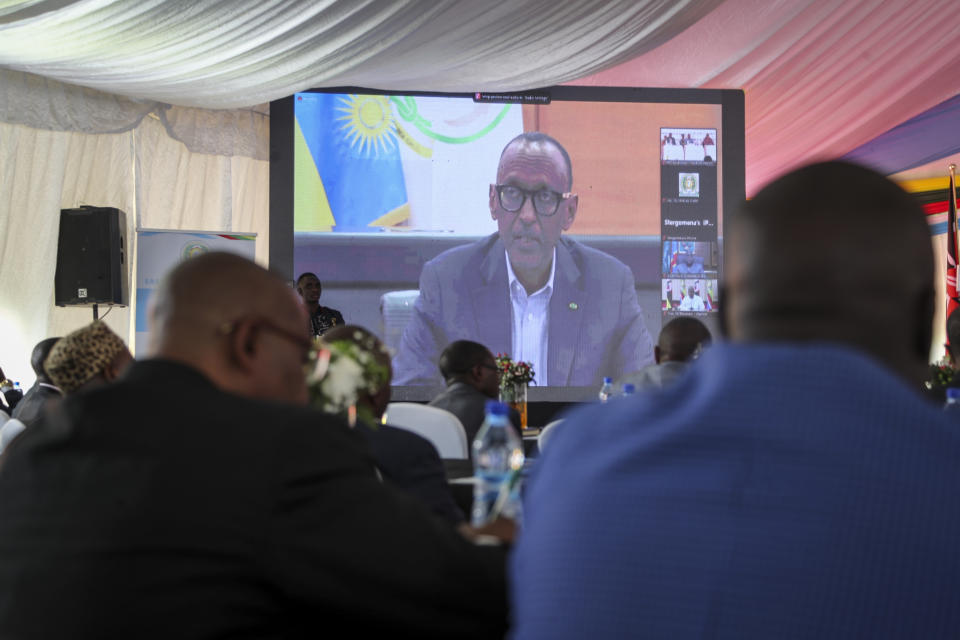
pixel 628 390
pixel 497 464
pixel 606 391
pixel 953 400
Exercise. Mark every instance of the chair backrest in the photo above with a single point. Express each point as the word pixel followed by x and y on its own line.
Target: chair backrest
pixel 11 429
pixel 545 434
pixel 439 426
pixel 396 307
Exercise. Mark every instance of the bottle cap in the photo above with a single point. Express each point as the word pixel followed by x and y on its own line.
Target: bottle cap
pixel 953 393
pixel 495 408
pixel 628 389
pixel 607 380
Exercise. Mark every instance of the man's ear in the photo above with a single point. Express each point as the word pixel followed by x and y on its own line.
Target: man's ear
pixel 570 211
pixel 242 344
pixel 493 201
pixel 476 372
pixel 656 353
pixel 117 366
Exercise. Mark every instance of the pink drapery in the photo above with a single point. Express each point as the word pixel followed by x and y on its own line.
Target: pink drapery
pixel 821 77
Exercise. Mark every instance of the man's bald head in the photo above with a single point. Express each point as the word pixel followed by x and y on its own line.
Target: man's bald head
pixel 833 252
pixel 236 322
pixel 680 338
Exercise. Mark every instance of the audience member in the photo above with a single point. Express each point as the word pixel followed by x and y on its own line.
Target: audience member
pixel 322 319
pixel 471 375
pixel 407 460
pixel 193 498
pixel 797 485
pixel 680 341
pixel 9 394
pixel 87 358
pixel 43 390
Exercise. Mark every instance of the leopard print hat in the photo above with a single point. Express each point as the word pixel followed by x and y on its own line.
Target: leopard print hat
pixel 82 355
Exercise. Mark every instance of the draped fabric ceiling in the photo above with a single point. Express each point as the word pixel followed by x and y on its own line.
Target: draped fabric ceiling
pixel 162 85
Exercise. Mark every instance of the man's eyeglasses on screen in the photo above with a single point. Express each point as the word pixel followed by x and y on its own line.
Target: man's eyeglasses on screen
pixel 545 201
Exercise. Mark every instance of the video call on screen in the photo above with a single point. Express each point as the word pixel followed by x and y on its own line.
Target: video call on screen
pixel 376 174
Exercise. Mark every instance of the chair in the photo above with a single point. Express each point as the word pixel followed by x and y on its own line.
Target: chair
pixel 545 434
pixel 439 426
pixel 396 307
pixel 11 429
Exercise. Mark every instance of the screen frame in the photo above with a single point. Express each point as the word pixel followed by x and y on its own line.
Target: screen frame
pixel 732 154
pixel 732 158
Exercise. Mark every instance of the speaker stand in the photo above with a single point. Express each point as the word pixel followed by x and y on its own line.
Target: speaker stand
pixel 95 314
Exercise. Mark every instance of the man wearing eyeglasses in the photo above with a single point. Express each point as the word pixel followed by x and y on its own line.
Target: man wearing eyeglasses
pixel 198 497
pixel 569 310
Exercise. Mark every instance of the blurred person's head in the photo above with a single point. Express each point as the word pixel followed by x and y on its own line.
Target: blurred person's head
pixel 833 252
pixel 370 370
pixel 86 358
pixel 309 288
pixel 680 339
pixel 237 323
pixel 39 355
pixel 532 204
pixel 471 363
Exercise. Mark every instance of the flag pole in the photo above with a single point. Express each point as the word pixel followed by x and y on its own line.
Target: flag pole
pixel 952 288
pixel 952 204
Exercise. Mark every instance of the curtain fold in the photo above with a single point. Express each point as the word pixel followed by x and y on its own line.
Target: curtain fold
pixel 214 54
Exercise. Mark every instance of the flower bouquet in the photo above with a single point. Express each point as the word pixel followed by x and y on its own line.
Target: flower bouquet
pixel 514 378
pixel 939 376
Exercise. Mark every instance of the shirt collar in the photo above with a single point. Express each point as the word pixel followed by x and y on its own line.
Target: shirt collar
pixel 515 284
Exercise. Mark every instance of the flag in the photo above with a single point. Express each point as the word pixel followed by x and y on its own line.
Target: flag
pixel 667 295
pixel 953 296
pixel 349 173
pixel 708 303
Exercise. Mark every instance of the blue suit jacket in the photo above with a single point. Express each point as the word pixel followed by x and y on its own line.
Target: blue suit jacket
pixel 596 327
pixel 789 491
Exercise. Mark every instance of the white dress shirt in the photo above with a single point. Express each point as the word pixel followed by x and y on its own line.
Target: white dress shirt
pixel 531 326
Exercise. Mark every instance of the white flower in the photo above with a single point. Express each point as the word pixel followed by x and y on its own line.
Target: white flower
pixel 344 377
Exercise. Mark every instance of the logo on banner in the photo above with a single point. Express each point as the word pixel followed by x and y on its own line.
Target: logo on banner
pixel 689 185
pixel 192 250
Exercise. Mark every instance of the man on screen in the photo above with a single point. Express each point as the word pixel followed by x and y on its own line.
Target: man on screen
pixel 569 310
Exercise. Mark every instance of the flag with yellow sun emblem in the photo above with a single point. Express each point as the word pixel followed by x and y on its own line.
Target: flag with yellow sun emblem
pixel 348 171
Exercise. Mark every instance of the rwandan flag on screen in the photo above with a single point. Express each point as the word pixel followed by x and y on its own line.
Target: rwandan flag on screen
pixel 348 174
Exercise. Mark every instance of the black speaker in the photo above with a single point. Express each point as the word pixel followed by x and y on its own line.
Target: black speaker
pixel 91 257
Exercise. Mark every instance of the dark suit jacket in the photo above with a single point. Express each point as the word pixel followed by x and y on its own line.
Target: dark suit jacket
pixel 162 507
pixel 411 463
pixel 34 402
pixel 596 327
pixel 468 404
pixel 787 491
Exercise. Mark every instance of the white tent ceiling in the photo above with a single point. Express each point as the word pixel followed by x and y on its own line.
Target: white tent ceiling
pixel 174 93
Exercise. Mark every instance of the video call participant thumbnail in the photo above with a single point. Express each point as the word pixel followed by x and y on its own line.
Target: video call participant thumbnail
pixel 569 310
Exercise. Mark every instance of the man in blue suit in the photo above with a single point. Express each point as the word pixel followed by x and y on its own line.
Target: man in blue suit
pixel 796 483
pixel 569 310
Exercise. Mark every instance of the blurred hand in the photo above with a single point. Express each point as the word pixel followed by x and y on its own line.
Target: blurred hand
pixel 502 530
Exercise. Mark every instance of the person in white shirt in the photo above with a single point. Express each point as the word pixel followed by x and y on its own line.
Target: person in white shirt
pixel 692 301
